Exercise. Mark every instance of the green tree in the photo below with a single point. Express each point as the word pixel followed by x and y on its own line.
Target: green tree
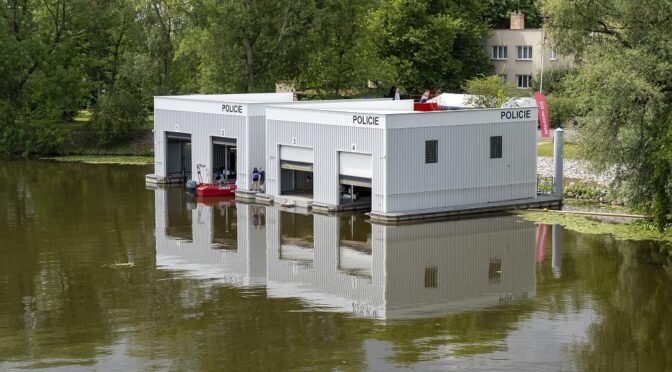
pixel 343 56
pixel 248 46
pixel 40 72
pixel 553 79
pixel 431 44
pixel 490 91
pixel 498 13
pixel 624 86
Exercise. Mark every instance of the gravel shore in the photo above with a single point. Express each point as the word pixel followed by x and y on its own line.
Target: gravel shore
pixel 574 169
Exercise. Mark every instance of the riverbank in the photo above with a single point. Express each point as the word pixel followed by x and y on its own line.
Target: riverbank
pixel 105 159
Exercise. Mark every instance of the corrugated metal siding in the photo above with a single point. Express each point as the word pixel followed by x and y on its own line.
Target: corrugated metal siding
pixel 159 145
pixel 326 141
pixel 256 154
pixel 464 174
pixel 461 252
pixel 248 131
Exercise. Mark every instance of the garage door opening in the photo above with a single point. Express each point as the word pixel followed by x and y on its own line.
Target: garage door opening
pixel 224 157
pixel 178 155
pixel 296 171
pixel 354 180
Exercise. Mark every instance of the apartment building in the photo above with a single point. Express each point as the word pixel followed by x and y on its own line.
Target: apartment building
pixel 519 54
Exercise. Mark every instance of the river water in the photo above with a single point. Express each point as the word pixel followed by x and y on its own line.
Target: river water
pixel 99 272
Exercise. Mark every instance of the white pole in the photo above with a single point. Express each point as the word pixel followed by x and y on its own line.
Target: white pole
pixel 557 162
pixel 543 56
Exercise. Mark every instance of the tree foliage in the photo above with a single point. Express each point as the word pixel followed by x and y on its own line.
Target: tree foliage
pixel 111 57
pixel 624 87
pixel 490 91
pixel 431 44
pixel 498 12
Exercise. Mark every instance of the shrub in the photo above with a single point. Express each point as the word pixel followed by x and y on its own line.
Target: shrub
pixel 117 118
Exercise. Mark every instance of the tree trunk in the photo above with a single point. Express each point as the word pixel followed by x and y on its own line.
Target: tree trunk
pixel 249 64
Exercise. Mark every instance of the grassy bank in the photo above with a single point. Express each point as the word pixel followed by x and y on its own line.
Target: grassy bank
pixel 569 151
pixel 105 159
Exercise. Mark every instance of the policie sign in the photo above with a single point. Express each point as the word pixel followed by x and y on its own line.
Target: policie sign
pixel 232 109
pixel 516 114
pixel 365 120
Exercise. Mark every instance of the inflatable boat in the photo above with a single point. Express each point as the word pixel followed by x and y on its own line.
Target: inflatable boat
pixel 214 189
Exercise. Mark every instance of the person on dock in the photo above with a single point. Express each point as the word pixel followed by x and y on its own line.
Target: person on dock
pixel 255 179
pixel 394 93
pixel 262 179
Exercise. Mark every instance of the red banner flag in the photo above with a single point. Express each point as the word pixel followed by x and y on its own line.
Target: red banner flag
pixel 543 114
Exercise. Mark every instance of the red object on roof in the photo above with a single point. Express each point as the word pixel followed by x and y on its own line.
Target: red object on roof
pixel 430 106
pixel 211 189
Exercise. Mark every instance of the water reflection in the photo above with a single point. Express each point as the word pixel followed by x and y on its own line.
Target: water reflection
pixel 79 287
pixel 227 244
pixel 344 263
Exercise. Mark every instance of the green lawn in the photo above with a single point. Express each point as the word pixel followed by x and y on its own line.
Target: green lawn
pixel 570 150
pixel 106 159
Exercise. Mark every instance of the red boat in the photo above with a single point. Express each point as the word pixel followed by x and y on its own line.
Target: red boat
pixel 217 201
pixel 213 189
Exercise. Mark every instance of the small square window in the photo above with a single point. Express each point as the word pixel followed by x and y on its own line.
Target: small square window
pixel 504 77
pixel 524 52
pixel 431 274
pixel 499 52
pixel 496 147
pixel 431 151
pixel 495 270
pixel 524 81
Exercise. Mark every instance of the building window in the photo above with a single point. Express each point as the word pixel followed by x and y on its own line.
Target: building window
pixel 499 52
pixel 523 81
pixel 525 52
pixel 495 147
pixel 552 55
pixel 431 274
pixel 504 78
pixel 431 151
pixel 495 270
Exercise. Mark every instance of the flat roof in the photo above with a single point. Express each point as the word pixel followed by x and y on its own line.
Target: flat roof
pixel 391 114
pixel 235 98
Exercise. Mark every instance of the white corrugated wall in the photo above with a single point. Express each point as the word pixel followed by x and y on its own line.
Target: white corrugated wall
pixel 464 173
pixel 326 141
pixel 203 127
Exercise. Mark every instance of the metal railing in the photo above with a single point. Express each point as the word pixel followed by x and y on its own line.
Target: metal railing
pixel 544 185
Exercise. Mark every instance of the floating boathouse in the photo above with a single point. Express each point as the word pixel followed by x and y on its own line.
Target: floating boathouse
pixel 199 134
pixel 399 163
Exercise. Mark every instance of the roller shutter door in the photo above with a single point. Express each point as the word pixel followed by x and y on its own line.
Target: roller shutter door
pixel 223 141
pixel 178 136
pixel 355 169
pixel 296 158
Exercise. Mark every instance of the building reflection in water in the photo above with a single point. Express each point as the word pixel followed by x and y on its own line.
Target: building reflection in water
pixel 344 263
pixel 227 246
